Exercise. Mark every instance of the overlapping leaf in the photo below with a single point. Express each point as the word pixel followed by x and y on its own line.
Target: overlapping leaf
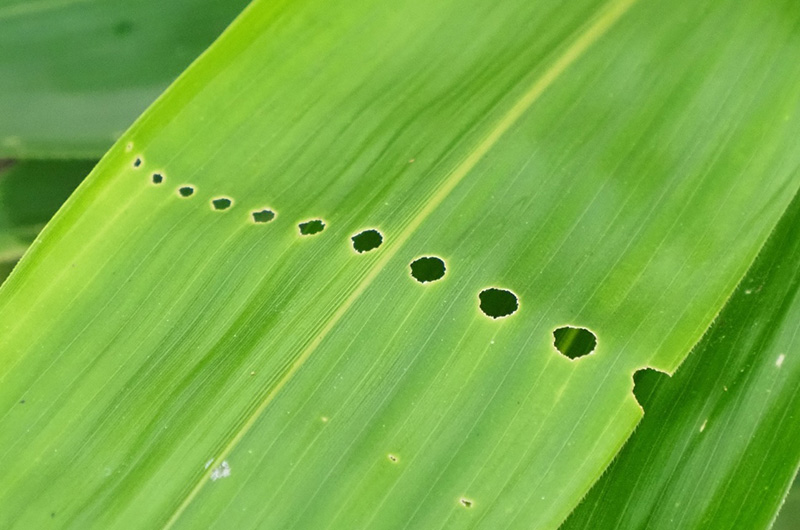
pixel 718 444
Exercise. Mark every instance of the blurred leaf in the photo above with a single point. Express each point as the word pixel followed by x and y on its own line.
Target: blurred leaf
pixel 166 363
pixel 718 444
pixel 75 74
pixel 790 511
pixel 30 193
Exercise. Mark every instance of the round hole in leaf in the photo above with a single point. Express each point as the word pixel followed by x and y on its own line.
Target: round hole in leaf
pixel 428 269
pixel 309 228
pixel 185 191
pixel 221 203
pixel 574 342
pixel 158 178
pixel 367 240
pixel 498 303
pixel 263 216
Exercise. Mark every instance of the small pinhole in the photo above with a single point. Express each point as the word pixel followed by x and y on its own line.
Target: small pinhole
pixel 367 240
pixel 466 503
pixel 221 203
pixel 309 228
pixel 137 162
pixel 392 458
pixel 158 178
pixel 574 342
pixel 498 303
pixel 428 269
pixel 186 191
pixel 263 216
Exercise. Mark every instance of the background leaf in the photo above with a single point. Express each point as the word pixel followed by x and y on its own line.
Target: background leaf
pixel 75 74
pixel 30 193
pixel 169 363
pixel 790 511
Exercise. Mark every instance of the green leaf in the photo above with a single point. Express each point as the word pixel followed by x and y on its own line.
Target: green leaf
pixel 718 444
pixel 186 366
pixel 74 74
pixel 790 511
pixel 30 193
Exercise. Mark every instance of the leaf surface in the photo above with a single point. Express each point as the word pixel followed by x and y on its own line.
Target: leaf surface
pixel 188 367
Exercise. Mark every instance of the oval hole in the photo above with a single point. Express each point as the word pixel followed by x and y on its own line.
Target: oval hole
pixel 574 342
pixel 428 269
pixel 309 228
pixel 367 240
pixel 185 191
pixel 498 303
pixel 221 203
pixel 263 216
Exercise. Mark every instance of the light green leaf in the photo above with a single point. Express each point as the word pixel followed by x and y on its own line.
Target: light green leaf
pixel 189 367
pixel 718 444
pixel 30 193
pixel 74 74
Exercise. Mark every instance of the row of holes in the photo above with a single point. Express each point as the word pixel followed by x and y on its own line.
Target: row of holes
pixel 573 342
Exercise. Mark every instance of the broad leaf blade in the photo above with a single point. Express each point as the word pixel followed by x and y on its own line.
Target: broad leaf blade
pixel 718 444
pixel 604 169
pixel 75 74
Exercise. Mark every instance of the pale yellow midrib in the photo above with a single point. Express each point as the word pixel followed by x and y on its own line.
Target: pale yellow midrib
pixel 613 11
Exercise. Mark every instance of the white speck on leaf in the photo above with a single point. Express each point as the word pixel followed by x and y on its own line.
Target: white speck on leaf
pixel 221 471
pixel 210 461
pixel 703 426
pixel 779 360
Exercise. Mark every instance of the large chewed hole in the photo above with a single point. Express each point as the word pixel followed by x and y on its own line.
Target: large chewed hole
pixel 367 240
pixel 221 203
pixel 646 384
pixel 263 216
pixel 309 228
pixel 427 269
pixel 497 303
pixel 158 178
pixel 186 191
pixel 574 342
